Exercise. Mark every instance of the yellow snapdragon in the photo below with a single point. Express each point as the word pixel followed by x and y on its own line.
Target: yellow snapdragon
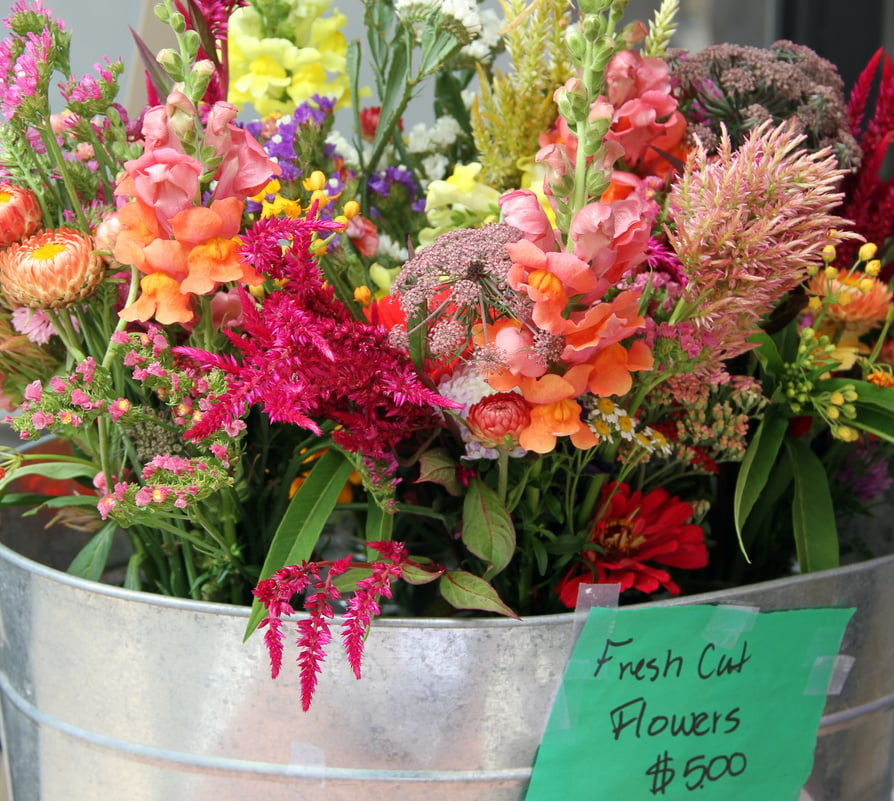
pixel 462 191
pixel 275 74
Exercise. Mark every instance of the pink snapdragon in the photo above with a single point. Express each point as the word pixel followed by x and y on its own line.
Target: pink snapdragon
pixel 164 180
pixel 646 121
pixel 245 168
pixel 612 237
pixel 521 209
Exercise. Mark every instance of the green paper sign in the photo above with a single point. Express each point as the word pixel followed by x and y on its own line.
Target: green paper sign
pixel 714 703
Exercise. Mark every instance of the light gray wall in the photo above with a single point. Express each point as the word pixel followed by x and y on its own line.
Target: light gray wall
pixel 99 28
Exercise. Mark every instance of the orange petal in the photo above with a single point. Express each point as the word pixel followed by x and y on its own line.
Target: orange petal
pixel 162 299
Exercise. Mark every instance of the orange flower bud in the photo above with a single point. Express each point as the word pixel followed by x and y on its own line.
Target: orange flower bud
pixel 53 269
pixel 20 213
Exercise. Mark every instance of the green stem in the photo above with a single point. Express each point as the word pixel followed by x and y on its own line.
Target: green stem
pixel 131 297
pixel 53 149
pixel 61 320
pixel 502 473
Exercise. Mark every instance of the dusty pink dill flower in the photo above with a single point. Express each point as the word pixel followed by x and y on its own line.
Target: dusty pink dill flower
pixel 461 273
pixel 746 225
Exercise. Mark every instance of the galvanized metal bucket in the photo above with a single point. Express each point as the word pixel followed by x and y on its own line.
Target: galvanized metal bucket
pixel 110 694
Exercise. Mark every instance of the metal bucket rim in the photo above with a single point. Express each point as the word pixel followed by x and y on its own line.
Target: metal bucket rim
pixel 212 608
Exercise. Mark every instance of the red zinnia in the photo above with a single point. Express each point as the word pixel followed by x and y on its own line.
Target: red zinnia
pixel 632 530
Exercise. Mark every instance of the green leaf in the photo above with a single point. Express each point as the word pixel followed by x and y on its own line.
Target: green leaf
pixel 448 91
pixel 421 571
pixel 464 590
pixel 379 527
pixel 132 580
pixel 437 466
pixel 57 471
pixel 757 466
pixel 301 526
pixel 487 527
pixel 91 560
pixel 394 98
pixel 813 515
pixel 436 46
pixel 767 353
pixel 347 581
pixel 161 82
pixel 874 420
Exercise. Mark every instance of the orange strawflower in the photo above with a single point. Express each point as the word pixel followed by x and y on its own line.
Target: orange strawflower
pixel 50 270
pixel 862 302
pixel 20 213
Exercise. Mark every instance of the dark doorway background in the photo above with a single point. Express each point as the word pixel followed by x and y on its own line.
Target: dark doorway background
pixel 846 33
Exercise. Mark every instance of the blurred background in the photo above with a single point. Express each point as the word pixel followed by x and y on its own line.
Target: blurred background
pixel 846 33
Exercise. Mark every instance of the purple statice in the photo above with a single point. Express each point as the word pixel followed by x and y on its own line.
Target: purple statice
pixel 394 187
pixel 304 359
pixel 866 472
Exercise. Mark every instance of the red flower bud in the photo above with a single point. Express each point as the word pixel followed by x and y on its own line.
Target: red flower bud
pixel 369 121
pixel 498 420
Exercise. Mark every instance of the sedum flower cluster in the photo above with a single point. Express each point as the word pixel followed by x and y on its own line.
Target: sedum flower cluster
pixel 607 313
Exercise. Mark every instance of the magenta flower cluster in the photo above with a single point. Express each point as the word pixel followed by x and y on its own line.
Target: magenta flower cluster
pixel 314 631
pixel 305 358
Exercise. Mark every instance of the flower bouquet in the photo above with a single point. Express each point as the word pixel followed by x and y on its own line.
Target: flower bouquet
pixel 619 315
